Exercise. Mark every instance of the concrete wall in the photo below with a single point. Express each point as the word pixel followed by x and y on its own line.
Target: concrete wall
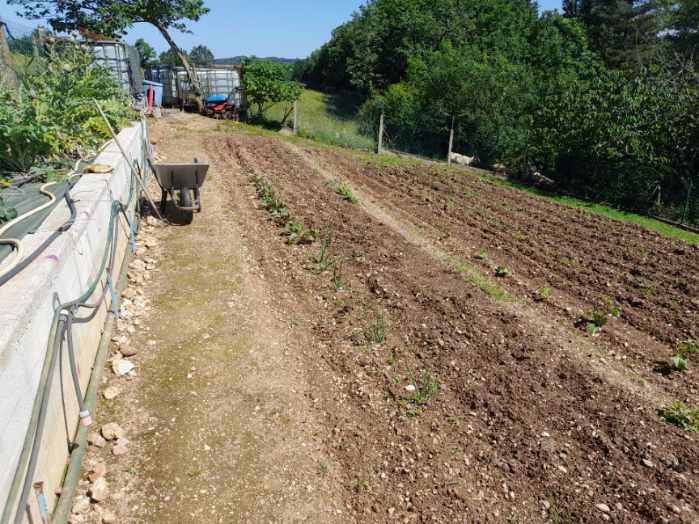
pixel 26 310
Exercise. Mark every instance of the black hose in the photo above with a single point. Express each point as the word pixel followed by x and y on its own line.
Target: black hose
pixel 45 244
pixel 74 369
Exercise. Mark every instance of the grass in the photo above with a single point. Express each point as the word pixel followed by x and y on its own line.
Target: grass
pixel 682 416
pixel 376 331
pixel 329 118
pixel 322 260
pixel 473 275
pixel 427 388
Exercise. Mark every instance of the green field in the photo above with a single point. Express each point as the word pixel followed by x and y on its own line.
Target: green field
pixel 329 118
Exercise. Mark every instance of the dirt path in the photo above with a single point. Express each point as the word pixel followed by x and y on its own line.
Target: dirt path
pixel 218 419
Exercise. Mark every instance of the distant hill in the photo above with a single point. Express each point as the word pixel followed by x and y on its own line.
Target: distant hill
pixel 237 59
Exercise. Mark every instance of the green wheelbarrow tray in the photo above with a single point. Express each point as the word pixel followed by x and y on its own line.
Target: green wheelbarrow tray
pixel 183 181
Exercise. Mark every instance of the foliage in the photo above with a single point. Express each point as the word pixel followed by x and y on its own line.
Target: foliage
pixel 112 17
pixel 300 234
pixel 115 17
pixel 171 59
pixel 201 56
pixel 22 45
pixel 53 116
pixel 268 83
pixel 344 190
pixel 145 51
pixel 680 361
pixel 376 331
pixel 682 416
pixel 322 260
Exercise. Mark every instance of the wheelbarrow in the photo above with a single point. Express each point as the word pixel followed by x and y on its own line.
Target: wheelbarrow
pixel 182 183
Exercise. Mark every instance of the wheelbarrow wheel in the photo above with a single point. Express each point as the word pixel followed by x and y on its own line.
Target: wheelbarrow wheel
pixel 186 201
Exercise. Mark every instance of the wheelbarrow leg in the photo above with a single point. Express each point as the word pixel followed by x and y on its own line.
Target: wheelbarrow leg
pixel 163 202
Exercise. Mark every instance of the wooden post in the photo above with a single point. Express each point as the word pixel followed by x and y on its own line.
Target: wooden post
pixel 296 117
pixel 379 149
pixel 451 141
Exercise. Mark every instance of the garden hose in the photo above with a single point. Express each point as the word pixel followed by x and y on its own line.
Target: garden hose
pixel 16 243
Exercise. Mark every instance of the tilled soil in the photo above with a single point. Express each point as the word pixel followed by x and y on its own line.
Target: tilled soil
pixel 433 401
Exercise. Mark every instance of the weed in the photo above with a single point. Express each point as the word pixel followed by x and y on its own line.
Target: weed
pixel 322 260
pixel 272 203
pixel 361 486
pixel 337 274
pixel 545 293
pixel 482 255
pixel 473 275
pixel 425 391
pixel 682 416
pixel 570 262
pixel 392 359
pixel 680 361
pixel 376 331
pixel 300 234
pixel 323 469
pixel 502 272
pixel 345 192
pixel 596 321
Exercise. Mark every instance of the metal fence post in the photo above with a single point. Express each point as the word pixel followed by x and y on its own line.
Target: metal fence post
pixel 379 149
pixel 451 140
pixel 296 117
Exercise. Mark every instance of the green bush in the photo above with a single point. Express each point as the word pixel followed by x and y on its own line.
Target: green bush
pixel 53 116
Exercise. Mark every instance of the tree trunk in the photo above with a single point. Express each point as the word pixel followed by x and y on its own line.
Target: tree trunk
pixel 8 78
pixel 191 73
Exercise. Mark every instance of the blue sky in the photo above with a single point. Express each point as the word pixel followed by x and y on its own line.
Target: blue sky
pixel 286 28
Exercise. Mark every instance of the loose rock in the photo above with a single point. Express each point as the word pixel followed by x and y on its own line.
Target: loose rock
pixel 95 439
pixel 112 431
pixel 81 505
pixel 99 471
pixel 99 490
pixel 111 392
pixel 603 508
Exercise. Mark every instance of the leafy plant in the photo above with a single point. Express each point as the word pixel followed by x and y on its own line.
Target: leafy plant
pixel 502 272
pixel 345 192
pixel 680 361
pixel 682 416
pixel 596 321
pixel 272 203
pixel 376 331
pixel 300 234
pixel 53 115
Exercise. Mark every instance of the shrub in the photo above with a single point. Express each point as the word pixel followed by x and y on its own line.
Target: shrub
pixel 53 115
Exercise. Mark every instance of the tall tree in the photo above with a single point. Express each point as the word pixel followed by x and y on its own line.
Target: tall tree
pixel 145 51
pixel 114 17
pixel 625 33
pixel 201 55
pixel 171 59
pixel 685 27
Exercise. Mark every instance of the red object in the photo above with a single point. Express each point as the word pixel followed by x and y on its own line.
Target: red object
pixel 151 99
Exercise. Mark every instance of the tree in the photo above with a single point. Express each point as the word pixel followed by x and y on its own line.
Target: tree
pixel 624 32
pixel 168 58
pixel 114 17
pixel 685 27
pixel 268 83
pixel 8 78
pixel 201 56
pixel 145 51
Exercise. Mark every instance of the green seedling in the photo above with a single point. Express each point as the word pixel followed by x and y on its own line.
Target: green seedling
pixel 322 260
pixel 502 272
pixel 338 284
pixel 570 262
pixel 345 192
pixel 680 361
pixel 682 416
pixel 596 321
pixel 300 234
pixel 425 391
pixel 376 332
